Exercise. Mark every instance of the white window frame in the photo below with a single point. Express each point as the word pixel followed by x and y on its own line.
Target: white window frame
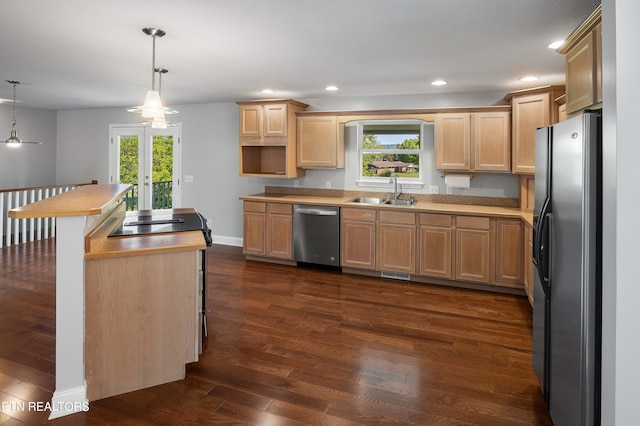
pixel 372 181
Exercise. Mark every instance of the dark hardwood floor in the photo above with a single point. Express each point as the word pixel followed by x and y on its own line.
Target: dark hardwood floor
pixel 295 346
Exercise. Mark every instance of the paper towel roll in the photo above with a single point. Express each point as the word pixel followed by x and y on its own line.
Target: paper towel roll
pixel 457 180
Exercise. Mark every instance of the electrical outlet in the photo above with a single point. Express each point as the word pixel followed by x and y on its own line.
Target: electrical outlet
pixel 188 178
pixel 296 183
pixel 327 184
pixel 449 190
pixel 434 189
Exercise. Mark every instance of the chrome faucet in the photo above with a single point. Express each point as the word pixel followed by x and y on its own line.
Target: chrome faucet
pixel 394 179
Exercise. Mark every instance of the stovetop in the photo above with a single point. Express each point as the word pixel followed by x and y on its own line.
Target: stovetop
pixel 158 223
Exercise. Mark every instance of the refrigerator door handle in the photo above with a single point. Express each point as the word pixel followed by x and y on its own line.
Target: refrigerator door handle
pixel 541 248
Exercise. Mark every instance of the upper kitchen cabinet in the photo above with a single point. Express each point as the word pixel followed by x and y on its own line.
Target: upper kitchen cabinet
pixel 268 138
pixel 320 141
pixel 453 141
pixel 530 109
pixel 474 141
pixel 583 64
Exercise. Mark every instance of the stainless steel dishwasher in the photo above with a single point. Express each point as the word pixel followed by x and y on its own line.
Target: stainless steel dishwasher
pixel 316 234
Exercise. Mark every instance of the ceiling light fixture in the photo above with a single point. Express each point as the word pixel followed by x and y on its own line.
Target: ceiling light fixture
pixel 555 44
pixel 268 91
pixel 152 106
pixel 160 122
pixel 331 88
pixel 438 83
pixel 14 141
pixel 529 78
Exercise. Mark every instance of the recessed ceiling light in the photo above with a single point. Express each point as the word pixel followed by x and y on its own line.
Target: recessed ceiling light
pixel 529 78
pixel 556 44
pixel 267 91
pixel 438 82
pixel 331 88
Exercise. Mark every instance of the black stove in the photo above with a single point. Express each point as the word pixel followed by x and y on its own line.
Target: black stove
pixel 161 222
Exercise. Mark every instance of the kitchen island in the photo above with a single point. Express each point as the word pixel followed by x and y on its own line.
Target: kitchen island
pixel 126 308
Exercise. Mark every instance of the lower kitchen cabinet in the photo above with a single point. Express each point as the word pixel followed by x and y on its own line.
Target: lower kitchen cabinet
pixel 267 229
pixel 435 245
pixel 358 238
pixel 397 242
pixel 254 228
pixel 509 251
pixel 473 244
pixel 279 229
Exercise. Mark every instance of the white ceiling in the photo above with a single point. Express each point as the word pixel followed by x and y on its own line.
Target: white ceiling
pixel 75 54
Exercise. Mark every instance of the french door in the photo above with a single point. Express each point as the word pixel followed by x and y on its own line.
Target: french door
pixel 148 159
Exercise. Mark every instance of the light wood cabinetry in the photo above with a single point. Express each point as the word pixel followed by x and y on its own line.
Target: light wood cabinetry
pixel 473 249
pixel 509 251
pixel 478 141
pixel 397 241
pixel 320 141
pixel 279 230
pixel 358 238
pixel 528 263
pixel 530 109
pixel 268 138
pixel 435 245
pixel 453 141
pixel 492 141
pixel 583 64
pixel 267 229
pixel 141 321
pixel 254 228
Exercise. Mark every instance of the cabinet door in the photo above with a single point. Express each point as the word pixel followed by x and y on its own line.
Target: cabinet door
pixel 435 251
pixel 397 247
pixel 597 34
pixel 473 242
pixel 492 141
pixel 528 113
pixel 275 120
pixel 254 227
pixel 358 244
pixel 251 121
pixel 509 251
pixel 317 142
pixel 279 228
pixel 581 79
pixel 453 141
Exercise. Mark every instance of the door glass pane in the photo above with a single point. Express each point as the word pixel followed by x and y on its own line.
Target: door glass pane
pixel 162 172
pixel 128 172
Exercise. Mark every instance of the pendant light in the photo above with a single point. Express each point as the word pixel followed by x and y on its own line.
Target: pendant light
pixel 14 141
pixel 160 122
pixel 152 106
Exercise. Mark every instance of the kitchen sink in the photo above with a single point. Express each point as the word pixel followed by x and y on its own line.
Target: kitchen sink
pixel 384 201
pixel 368 200
pixel 398 202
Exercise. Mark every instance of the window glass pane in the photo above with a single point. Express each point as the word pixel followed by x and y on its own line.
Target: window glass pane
pixel 382 150
pixel 162 172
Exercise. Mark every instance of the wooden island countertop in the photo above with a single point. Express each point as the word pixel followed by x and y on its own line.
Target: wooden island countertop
pixel 86 200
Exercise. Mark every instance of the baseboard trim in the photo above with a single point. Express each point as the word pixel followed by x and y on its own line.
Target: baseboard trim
pixel 227 241
pixel 69 401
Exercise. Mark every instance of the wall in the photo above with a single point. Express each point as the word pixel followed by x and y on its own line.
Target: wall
pixel 210 153
pixel 621 151
pixel 28 165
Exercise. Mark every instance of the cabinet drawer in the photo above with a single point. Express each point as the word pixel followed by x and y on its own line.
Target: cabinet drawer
pixel 278 208
pixel 398 217
pixel 254 206
pixel 472 222
pixel 359 214
pixel 435 219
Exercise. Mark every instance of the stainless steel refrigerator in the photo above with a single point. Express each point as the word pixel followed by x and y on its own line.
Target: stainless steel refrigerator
pixel 567 256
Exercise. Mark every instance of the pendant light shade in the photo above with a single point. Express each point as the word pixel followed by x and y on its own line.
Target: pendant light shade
pixel 14 141
pixel 152 107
